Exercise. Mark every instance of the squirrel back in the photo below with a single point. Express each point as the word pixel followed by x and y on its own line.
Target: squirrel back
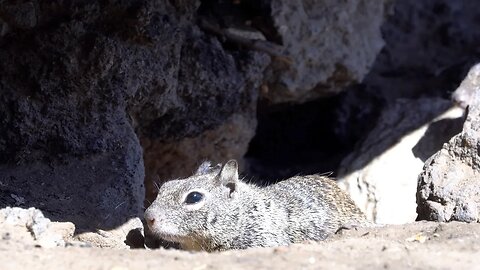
pixel 214 210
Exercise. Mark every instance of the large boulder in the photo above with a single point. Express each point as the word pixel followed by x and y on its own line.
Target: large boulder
pixel 83 83
pixel 331 44
pixel 449 185
pixel 429 46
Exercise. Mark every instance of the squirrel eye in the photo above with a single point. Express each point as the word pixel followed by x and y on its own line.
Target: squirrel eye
pixel 193 197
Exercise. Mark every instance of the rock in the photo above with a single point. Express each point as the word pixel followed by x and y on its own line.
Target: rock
pixel 312 137
pixel 29 226
pixel 217 125
pixel 464 94
pixel 381 174
pixel 427 46
pixel 117 73
pixel 97 191
pixel 331 44
pixel 20 15
pixel 4 29
pixel 448 186
pixel 128 235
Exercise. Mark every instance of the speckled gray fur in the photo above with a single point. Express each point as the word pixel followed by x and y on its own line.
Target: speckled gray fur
pixel 237 215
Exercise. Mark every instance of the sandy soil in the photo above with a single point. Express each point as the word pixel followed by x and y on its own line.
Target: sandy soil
pixel 421 245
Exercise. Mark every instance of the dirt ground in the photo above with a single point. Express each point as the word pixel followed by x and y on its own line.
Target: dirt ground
pixel 421 245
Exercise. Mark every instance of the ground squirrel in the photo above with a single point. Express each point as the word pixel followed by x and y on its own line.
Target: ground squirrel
pixel 214 210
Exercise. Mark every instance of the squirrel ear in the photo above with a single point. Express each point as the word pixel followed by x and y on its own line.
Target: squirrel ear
pixel 203 168
pixel 228 175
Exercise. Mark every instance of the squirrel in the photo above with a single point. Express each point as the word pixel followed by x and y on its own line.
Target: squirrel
pixel 214 210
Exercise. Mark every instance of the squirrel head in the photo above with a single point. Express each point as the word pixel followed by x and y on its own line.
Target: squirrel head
pixel 196 208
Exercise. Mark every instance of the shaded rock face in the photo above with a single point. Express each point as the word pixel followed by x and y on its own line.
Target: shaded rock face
pixel 430 45
pixel 93 191
pixel 80 81
pixel 448 187
pixel 332 44
pixel 309 138
pixel 325 45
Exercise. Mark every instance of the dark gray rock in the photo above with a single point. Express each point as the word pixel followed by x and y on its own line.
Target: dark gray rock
pixel 21 15
pixel 81 82
pixel 331 44
pixel 428 44
pixel 98 190
pixel 449 187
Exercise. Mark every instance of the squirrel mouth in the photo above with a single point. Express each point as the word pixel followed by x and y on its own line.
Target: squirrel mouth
pixel 171 237
pixel 176 238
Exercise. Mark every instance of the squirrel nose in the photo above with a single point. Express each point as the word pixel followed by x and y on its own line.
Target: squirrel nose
pixel 150 221
pixel 149 218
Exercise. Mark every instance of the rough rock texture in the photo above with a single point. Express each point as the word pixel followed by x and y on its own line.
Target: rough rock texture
pixel 31 227
pixel 79 79
pixel 381 174
pixel 449 187
pixel 465 93
pixel 126 236
pixel 428 45
pixel 331 44
pixel 98 190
